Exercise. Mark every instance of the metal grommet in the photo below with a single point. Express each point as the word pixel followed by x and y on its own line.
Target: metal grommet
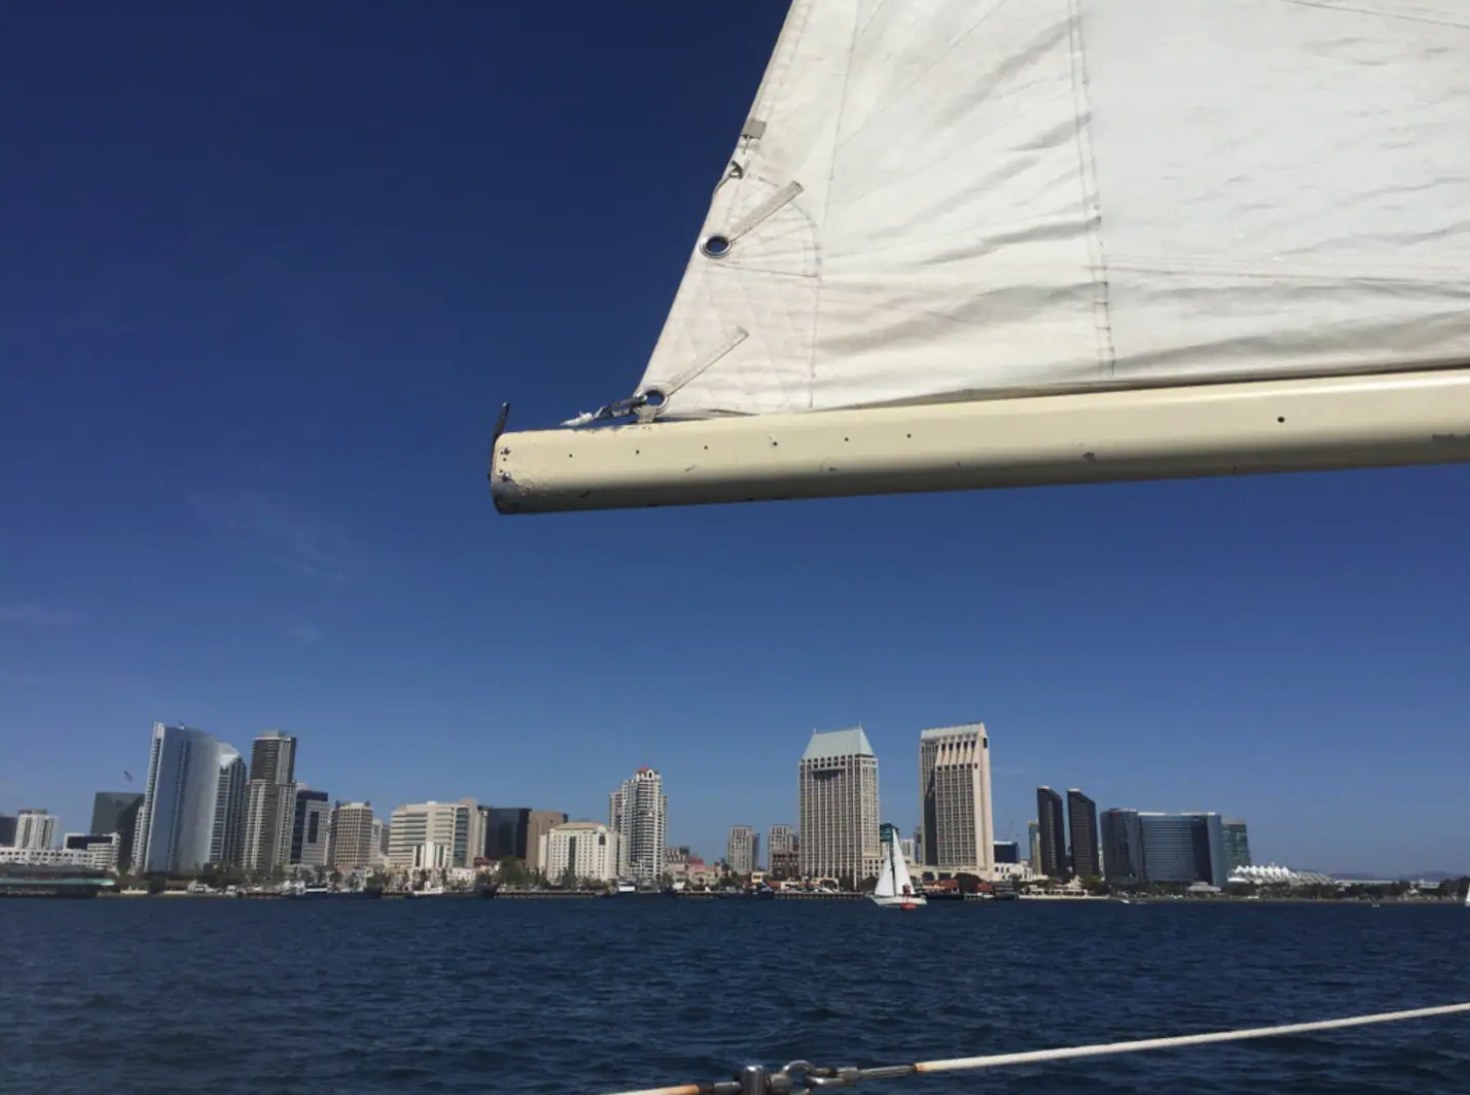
pixel 650 404
pixel 716 246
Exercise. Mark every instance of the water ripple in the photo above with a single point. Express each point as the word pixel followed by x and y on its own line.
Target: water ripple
pixel 161 996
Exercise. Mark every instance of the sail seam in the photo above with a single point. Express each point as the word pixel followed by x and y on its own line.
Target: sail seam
pixel 1405 16
pixel 811 385
pixel 1091 198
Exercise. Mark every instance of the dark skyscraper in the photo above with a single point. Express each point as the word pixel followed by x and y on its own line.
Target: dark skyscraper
pixel 1237 845
pixel 1122 839
pixel 116 812
pixel 1082 828
pixel 7 830
pixel 1053 832
pixel 505 832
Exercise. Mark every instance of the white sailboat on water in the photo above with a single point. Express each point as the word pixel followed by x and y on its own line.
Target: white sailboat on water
pixel 977 243
pixel 895 889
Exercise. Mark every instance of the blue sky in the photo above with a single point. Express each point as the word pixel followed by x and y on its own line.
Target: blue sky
pixel 266 273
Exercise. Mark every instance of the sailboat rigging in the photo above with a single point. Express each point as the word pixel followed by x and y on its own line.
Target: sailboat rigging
pixel 980 243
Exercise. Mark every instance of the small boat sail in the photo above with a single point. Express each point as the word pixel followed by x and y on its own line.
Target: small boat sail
pixel 895 889
pixel 966 244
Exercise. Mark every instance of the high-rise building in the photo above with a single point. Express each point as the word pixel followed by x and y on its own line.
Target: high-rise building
pixel 310 826
pixel 1141 846
pixel 742 850
pixel 270 808
pixel 352 837
pixel 273 757
pixel 838 793
pixel 116 812
pixel 506 829
pixel 1082 828
pixel 175 824
pixel 1122 841
pixel 7 830
pixel 227 844
pixel 474 841
pixel 585 850
pixel 954 797
pixel 444 825
pixel 1053 832
pixel 639 813
pixel 35 830
pixel 1237 845
pixel 1007 851
pixel 1033 844
pixel 781 850
pixel 538 824
pixel 1184 848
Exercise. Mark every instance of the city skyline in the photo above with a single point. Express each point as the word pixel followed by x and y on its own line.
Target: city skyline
pixel 276 750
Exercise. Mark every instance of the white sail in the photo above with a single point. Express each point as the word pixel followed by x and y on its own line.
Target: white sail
pixel 903 884
pixel 949 199
pixel 1017 242
pixel 888 884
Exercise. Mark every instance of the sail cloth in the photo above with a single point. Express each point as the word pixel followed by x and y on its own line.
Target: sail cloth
pixel 936 200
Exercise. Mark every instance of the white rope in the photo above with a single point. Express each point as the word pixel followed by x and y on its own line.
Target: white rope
pixel 1070 1053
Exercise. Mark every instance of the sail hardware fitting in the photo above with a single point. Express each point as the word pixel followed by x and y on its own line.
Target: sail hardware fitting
pixel 719 244
pixel 648 403
pixel 804 1078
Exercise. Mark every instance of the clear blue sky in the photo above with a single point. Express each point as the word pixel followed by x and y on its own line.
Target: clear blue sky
pixel 266 270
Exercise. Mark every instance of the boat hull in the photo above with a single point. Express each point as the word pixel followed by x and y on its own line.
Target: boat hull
pixel 907 902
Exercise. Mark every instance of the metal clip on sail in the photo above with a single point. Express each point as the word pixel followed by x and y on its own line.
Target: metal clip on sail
pixel 1028 242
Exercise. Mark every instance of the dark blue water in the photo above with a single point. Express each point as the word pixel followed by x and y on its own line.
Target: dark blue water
pixel 179 995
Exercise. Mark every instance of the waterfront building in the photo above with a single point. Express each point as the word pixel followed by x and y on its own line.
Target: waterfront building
pixel 1007 852
pixel 50 857
pixel 1033 844
pixel 7 830
pixel 781 851
pixel 1237 844
pixel 175 824
pixel 35 829
pixel 586 849
pixel 117 812
pixel 310 826
pixel 1122 839
pixel 639 813
pixel 742 850
pixel 838 795
pixel 1082 828
pixel 270 802
pixel 1186 847
pixel 443 824
pixel 954 798
pixel 352 845
pixel 474 843
pixel 227 843
pixel 506 830
pixel 1154 847
pixel 1053 833
pixel 100 849
pixel 538 824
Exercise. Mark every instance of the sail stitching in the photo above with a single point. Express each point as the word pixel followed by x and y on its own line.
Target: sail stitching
pixel 1405 16
pixel 1091 198
pixel 764 211
pixel 811 387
